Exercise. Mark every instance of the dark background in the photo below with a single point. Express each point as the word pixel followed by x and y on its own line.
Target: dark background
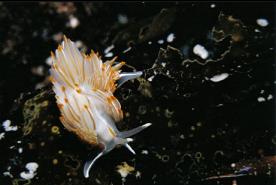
pixel 243 128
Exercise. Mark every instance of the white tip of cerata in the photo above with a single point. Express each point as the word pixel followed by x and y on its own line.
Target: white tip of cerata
pixel 147 125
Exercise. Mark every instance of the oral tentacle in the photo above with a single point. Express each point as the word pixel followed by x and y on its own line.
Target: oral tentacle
pixel 124 77
pixel 134 131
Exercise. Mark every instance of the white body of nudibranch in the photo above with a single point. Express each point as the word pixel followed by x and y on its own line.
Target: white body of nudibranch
pixel 84 87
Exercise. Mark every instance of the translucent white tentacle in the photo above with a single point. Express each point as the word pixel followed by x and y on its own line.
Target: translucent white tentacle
pixel 129 148
pixel 134 131
pixel 90 163
pixel 124 77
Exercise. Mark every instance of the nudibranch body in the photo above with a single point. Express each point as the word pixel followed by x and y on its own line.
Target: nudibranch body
pixel 84 87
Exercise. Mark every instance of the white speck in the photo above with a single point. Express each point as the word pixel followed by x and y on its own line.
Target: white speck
pixel 262 91
pixel 163 64
pixel 149 42
pixel 127 50
pixel 32 167
pixel 110 54
pixel 257 31
pixel 261 99
pixel 20 150
pixel 145 152
pixel 58 37
pixel 213 5
pixel 27 175
pixel 182 136
pixel 12 147
pixel 49 61
pixel 219 105
pixel 73 22
pixel 138 175
pixel 2 135
pixel 233 165
pixel 220 77
pixel 160 41
pixel 122 19
pixel 40 85
pixel 262 22
pixel 200 51
pixel 170 37
pixel 6 124
pixel 109 48
pixel 19 142
pixel 269 97
pixel 79 44
pixel 7 173
pixel 151 78
pixel 39 70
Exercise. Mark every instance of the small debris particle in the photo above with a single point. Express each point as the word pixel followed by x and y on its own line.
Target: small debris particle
pixel 200 51
pixel 261 99
pixel 31 167
pixel 122 19
pixel 55 130
pixel 55 161
pixel 110 54
pixel 220 77
pixel 170 37
pixel 269 97
pixel 127 50
pixel 2 135
pixel 20 150
pixel 160 41
pixel 150 78
pixel 124 169
pixel 145 152
pixel 138 175
pixel 73 22
pixel 27 175
pixel 7 126
pixel 262 22
pixel 109 48
pixel 39 70
pixel 7 173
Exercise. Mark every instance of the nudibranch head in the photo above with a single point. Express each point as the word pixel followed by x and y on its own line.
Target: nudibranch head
pixel 84 87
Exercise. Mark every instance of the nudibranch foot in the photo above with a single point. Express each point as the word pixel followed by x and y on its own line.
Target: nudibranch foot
pixel 124 77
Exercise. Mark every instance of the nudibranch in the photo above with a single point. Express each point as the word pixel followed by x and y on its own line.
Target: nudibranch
pixel 84 88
